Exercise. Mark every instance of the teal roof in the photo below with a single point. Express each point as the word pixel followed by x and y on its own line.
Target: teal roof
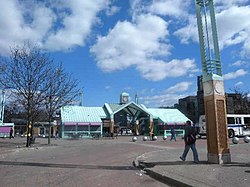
pixel 168 116
pixel 130 107
pixel 82 114
pixel 115 107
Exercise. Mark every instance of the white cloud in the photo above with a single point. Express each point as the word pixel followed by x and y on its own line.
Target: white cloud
pixel 179 87
pixel 175 8
pixel 240 63
pixel 76 26
pixel 57 25
pixel 159 70
pixel 233 25
pixel 136 44
pixel 222 4
pixel 167 97
pixel 161 100
pixel 234 75
pixel 232 31
pixel 15 29
pixel 239 84
pixel 189 32
pixel 112 10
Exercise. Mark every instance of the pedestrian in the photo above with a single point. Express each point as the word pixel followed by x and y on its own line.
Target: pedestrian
pixel 11 133
pixel 173 135
pixel 190 139
pixel 56 135
pixel 151 135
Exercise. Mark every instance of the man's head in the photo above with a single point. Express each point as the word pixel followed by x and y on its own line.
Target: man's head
pixel 188 123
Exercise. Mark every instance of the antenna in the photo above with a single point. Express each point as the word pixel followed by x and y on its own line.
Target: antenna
pixel 136 98
pixel 81 98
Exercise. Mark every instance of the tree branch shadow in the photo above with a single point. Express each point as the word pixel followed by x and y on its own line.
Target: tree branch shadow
pixel 75 166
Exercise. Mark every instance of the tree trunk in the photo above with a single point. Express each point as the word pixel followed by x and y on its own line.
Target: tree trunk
pixel 49 132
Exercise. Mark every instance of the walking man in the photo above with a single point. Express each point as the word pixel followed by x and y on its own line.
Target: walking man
pixel 11 133
pixel 190 139
pixel 173 135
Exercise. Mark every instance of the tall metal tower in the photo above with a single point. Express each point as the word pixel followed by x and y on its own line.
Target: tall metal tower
pixel 213 84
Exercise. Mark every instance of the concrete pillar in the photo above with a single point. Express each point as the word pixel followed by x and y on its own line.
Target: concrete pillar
pixel 137 127
pixel 112 124
pixel 151 127
pixel 216 122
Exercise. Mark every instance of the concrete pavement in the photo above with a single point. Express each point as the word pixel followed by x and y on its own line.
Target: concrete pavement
pixel 165 166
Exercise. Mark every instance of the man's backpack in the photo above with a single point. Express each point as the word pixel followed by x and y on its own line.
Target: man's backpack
pixel 190 139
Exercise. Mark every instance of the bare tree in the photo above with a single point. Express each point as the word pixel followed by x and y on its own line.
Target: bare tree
pixel 26 73
pixel 241 101
pixel 62 90
pixel 38 85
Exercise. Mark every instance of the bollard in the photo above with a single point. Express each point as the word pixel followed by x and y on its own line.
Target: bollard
pixel 134 139
pixel 246 139
pixel 154 138
pixel 164 137
pixel 235 140
pixel 145 138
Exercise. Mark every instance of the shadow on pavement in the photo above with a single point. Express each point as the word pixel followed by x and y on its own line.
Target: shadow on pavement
pixel 236 164
pixel 152 164
pixel 36 164
pixel 11 144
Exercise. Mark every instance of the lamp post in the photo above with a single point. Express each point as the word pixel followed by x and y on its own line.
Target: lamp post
pixel 213 84
pixel 2 106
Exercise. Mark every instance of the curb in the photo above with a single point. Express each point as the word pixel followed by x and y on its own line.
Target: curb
pixel 140 164
pixel 164 179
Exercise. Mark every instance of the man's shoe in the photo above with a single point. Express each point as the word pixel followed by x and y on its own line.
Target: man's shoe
pixel 196 162
pixel 182 158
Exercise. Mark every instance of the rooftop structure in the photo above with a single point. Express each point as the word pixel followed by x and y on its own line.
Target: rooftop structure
pixel 83 121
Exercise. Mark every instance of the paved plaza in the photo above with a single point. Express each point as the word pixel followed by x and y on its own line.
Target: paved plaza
pixel 118 161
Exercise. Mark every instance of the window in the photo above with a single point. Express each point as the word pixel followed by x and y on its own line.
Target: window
pixel 247 122
pixel 230 120
pixel 83 128
pixel 95 128
pixel 69 128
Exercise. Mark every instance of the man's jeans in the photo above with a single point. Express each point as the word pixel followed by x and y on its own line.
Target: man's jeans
pixel 195 153
pixel 173 137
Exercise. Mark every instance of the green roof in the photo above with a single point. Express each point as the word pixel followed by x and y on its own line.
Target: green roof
pixel 168 116
pixel 130 107
pixel 115 107
pixel 82 114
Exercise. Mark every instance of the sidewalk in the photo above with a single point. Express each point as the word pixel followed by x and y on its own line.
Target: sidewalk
pixel 8 146
pixel 166 167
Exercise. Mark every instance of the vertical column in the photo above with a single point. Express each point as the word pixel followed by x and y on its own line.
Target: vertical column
pixel 151 127
pixel 214 95
pixel 215 110
pixel 112 124
pixel 137 127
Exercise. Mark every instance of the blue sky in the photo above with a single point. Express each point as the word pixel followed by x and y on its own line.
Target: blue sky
pixel 148 47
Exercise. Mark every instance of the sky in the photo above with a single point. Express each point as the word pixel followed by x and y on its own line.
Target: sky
pixel 144 47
